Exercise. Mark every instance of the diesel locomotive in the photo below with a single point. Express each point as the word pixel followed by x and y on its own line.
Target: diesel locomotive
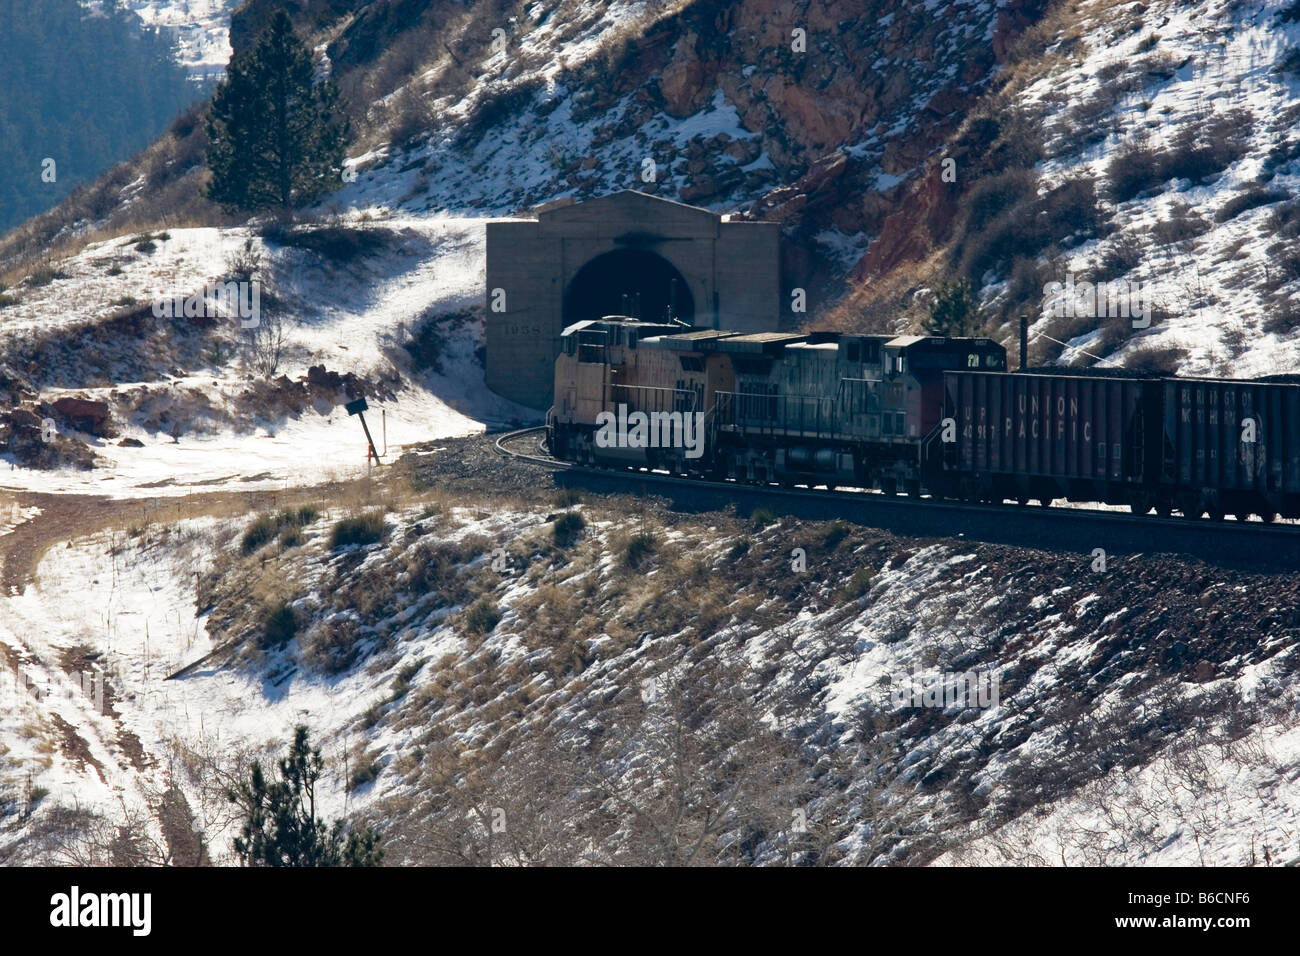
pixel 920 415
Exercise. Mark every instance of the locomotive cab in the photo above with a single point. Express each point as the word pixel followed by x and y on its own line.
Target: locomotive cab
pixel 912 391
pixel 634 372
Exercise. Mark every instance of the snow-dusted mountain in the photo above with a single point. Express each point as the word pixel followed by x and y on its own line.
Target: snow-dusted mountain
pixel 1068 117
pixel 201 29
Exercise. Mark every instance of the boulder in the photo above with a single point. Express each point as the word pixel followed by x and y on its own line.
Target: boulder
pixel 85 415
pixel 318 376
pixel 321 379
pixel 812 119
pixel 22 435
pixel 744 151
pixel 817 188
pixel 25 418
pixel 682 82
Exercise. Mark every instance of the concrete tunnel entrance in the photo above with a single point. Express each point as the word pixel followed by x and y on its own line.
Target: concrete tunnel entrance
pixel 577 261
pixel 631 282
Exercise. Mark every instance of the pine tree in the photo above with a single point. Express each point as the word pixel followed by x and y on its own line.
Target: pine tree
pixel 277 133
pixel 955 310
pixel 280 824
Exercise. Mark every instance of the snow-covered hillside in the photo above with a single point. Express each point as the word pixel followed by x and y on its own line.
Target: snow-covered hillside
pixel 470 624
pixel 1147 715
pixel 195 426
pixel 1218 248
pixel 531 122
pixel 200 28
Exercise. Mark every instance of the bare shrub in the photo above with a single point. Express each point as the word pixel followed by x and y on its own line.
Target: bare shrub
pixel 245 263
pixel 265 343
pixel 1283 317
pixel 513 805
pixel 677 797
pixel 1284 263
pixel 1030 224
pixel 1204 149
pixel 1183 224
pixel 993 195
pixel 1122 255
pixel 481 616
pixel 411 116
pixel 1251 197
pixel 331 645
pixel 1284 220
pixel 436 568
pixel 1163 361
pixel 1289 64
pixel 1134 169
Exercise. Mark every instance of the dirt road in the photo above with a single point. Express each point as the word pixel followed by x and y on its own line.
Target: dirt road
pixel 62 518
pixel 65 517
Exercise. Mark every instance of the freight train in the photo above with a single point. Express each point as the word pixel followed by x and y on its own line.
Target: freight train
pixel 920 415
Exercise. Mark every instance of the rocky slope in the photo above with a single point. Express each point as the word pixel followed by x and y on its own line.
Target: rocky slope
pixel 506 673
pixel 816 114
pixel 1145 143
pixel 837 119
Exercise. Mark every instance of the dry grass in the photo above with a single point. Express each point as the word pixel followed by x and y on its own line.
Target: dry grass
pixel 890 304
pixel 448 57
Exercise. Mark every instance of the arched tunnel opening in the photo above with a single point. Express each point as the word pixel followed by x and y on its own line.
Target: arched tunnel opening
pixel 628 282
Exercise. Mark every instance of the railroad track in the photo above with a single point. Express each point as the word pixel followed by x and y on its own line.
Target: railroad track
pixel 523 435
pixel 1072 528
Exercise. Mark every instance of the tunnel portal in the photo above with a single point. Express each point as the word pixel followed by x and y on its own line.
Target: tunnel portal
pixel 632 282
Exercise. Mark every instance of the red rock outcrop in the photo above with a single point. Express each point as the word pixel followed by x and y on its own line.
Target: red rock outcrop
pixel 85 415
pixel 909 233
pixel 682 82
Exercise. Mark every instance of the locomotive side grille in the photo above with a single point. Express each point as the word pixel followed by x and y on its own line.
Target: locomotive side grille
pixel 806 415
pixel 648 398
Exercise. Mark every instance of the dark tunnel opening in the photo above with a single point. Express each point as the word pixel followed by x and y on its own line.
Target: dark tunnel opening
pixel 628 282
